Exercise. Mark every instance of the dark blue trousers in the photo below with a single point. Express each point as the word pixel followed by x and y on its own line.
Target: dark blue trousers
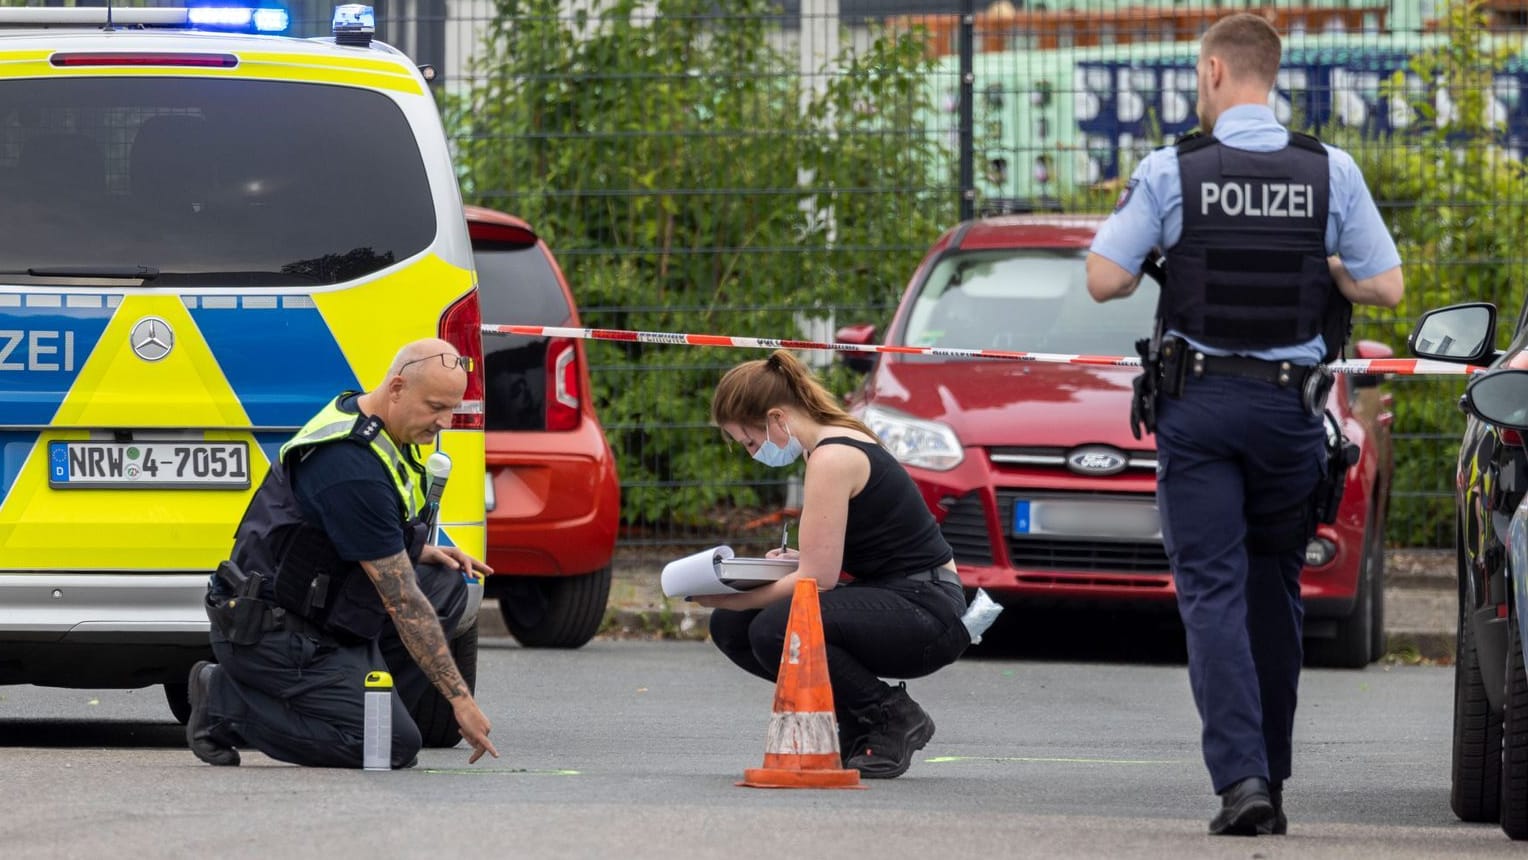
pixel 1235 460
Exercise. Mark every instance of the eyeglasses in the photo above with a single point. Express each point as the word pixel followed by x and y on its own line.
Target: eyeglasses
pixel 447 359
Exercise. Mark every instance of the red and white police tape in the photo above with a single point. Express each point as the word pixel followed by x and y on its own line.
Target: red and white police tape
pixel 1396 366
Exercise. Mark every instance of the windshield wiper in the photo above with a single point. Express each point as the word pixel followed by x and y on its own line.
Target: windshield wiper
pixel 126 272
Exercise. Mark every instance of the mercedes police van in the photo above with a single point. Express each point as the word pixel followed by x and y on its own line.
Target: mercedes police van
pixel 204 236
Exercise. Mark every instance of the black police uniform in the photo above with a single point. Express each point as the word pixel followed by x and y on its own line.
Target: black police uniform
pixel 292 661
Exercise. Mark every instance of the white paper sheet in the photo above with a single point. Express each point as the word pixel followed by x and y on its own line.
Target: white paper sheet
pixel 697 574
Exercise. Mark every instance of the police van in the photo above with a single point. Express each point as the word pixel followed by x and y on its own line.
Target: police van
pixel 206 233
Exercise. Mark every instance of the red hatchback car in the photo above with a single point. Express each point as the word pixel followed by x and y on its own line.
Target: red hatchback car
pixel 1031 468
pixel 554 497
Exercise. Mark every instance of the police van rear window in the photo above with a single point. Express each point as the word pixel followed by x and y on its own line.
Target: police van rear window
pixel 207 182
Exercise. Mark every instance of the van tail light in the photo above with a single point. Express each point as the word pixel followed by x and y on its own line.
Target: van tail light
pixel 563 384
pixel 1511 437
pixel 462 327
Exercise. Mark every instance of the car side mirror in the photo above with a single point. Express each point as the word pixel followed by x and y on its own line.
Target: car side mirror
pixel 859 334
pixel 1500 398
pixel 1462 334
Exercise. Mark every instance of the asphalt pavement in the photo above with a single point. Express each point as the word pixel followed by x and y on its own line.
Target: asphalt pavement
pixel 630 749
pixel 1420 605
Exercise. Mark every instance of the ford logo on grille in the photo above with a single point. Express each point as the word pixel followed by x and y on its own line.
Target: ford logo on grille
pixel 1097 460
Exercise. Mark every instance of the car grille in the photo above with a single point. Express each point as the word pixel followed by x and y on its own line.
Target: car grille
pixel 1058 554
pixel 965 529
pixel 1055 458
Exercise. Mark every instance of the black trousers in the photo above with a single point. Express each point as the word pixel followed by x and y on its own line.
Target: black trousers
pixel 300 697
pixel 873 629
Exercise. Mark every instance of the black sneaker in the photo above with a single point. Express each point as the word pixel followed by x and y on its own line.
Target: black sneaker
pixel 851 739
pixel 198 737
pixel 894 728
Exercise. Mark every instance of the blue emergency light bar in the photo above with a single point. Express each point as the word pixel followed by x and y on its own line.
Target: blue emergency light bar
pixel 239 19
pixel 354 24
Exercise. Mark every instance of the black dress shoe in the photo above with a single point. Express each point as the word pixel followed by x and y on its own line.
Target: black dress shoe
pixel 1278 825
pixel 1244 808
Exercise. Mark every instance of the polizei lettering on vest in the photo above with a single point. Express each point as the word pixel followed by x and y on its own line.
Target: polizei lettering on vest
pixel 1264 200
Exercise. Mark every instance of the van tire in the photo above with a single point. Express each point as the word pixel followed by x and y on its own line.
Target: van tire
pixel 179 698
pixel 434 715
pixel 555 611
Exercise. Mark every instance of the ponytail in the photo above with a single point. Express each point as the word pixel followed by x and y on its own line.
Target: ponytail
pixel 748 391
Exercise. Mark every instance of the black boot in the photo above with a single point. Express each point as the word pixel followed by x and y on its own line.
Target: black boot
pixel 894 728
pixel 198 736
pixel 1278 825
pixel 1244 808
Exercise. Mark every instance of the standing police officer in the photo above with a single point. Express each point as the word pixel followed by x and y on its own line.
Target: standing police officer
pixel 332 547
pixel 1268 235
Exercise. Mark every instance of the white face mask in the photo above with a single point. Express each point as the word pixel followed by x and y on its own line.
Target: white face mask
pixel 771 454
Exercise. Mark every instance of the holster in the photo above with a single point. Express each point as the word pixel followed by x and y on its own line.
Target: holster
pixel 241 615
pixel 1340 455
pixel 1175 361
pixel 1143 406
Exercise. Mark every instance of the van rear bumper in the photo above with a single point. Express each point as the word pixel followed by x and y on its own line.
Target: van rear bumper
pixel 101 630
pixel 103 607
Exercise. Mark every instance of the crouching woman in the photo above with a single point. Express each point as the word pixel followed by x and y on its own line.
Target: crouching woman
pixel 861 514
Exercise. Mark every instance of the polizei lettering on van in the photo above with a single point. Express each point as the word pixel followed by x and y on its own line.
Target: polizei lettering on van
pixel 1265 200
pixel 36 349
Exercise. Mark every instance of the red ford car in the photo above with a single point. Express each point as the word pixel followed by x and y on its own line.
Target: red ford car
pixel 553 494
pixel 1031 468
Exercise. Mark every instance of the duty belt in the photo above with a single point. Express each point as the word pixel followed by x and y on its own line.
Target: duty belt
pixel 938 574
pixel 1281 373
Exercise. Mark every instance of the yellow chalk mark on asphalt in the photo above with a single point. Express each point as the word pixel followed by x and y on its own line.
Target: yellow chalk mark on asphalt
pixel 1045 760
pixel 513 771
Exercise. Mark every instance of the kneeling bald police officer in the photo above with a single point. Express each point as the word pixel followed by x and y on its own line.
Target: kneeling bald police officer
pixel 1269 237
pixel 331 566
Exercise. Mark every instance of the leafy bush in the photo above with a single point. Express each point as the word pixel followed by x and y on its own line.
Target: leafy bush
pixel 689 182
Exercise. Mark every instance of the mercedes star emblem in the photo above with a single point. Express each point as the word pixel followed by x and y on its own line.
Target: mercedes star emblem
pixel 152 338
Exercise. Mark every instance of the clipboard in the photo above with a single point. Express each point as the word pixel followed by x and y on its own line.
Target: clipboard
pixel 718 571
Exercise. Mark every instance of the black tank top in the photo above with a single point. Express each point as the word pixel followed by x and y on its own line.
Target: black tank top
pixel 890 531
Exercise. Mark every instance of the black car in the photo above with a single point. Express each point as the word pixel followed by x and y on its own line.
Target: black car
pixel 1491 480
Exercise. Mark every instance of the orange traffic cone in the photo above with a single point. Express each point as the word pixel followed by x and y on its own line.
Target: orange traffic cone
pixel 801 750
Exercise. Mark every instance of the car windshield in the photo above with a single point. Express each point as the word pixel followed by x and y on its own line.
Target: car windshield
pixel 215 182
pixel 1029 300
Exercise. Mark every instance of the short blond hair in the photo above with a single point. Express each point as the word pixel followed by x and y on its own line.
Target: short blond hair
pixel 1247 44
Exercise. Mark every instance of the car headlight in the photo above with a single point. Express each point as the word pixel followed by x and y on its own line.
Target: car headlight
pixel 915 442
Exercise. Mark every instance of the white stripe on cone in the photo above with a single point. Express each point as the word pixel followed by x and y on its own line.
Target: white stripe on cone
pixel 807 733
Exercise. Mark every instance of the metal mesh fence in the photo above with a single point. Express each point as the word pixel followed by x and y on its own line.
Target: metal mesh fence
pixel 779 169
pixel 1009 107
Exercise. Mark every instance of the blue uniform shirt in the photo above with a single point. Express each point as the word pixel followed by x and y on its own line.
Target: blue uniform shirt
pixel 1151 216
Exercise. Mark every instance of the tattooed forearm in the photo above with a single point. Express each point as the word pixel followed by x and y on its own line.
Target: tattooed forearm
pixel 417 624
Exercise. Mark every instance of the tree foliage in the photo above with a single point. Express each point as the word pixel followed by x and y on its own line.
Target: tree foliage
pixel 689 181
